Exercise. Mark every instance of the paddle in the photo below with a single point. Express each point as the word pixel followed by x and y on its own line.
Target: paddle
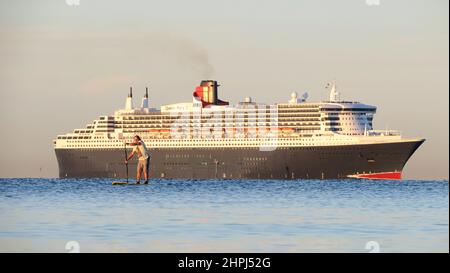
pixel 126 157
pixel 126 167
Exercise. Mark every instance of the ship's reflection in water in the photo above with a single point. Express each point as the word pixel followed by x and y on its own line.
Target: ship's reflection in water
pixel 223 215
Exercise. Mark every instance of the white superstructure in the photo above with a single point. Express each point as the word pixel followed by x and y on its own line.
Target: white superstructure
pixel 206 123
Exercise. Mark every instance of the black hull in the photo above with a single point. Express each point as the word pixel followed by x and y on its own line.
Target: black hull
pixel 325 162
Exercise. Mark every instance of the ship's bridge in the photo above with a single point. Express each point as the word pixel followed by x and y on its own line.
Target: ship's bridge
pixel 348 118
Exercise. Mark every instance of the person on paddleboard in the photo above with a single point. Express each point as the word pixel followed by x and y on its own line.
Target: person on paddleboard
pixel 144 157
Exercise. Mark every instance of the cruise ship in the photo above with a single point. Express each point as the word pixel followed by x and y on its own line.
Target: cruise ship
pixel 208 138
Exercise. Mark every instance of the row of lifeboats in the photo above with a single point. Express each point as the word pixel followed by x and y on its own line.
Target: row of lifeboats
pixel 255 129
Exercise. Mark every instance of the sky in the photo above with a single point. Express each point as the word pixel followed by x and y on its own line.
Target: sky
pixel 65 62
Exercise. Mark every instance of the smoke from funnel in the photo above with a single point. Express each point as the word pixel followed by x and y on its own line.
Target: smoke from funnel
pixel 141 56
pixel 196 58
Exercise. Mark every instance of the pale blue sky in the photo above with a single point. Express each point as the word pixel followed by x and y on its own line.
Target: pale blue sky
pixel 62 66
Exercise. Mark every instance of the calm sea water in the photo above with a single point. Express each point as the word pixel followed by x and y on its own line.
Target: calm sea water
pixel 43 215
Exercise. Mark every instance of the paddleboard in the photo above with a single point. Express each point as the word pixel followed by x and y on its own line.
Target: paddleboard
pixel 124 183
pixel 120 183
